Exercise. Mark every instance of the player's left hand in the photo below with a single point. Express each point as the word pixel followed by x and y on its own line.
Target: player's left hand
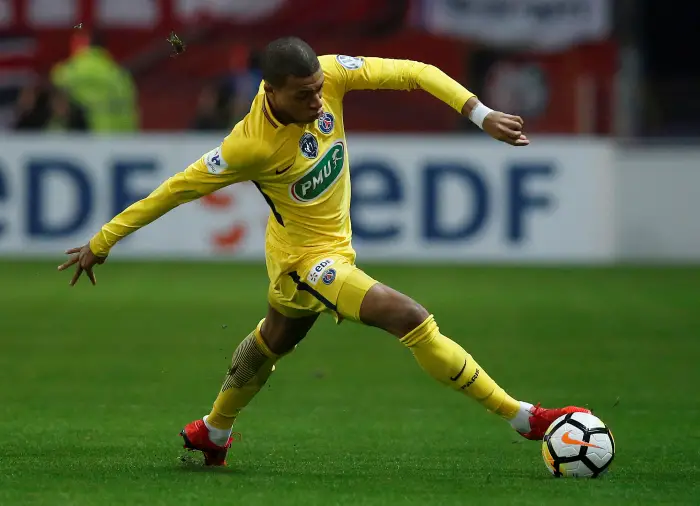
pixel 86 260
pixel 505 128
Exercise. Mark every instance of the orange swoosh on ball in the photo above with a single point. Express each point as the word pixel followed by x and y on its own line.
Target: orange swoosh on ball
pixel 566 439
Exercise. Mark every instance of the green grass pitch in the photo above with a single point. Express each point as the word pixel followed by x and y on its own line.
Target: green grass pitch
pixel 97 382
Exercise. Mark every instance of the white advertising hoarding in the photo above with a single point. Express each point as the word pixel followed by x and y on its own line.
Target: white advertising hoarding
pixel 658 203
pixel 434 198
pixel 414 198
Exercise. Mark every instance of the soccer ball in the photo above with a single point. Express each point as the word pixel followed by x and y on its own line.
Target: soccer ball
pixel 578 445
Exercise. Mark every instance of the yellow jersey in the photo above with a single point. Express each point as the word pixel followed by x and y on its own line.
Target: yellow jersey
pixel 302 171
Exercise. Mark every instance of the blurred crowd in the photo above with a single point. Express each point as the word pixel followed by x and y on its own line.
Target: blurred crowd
pixel 225 101
pixel 602 68
pixel 89 91
pixel 112 73
pixel 92 92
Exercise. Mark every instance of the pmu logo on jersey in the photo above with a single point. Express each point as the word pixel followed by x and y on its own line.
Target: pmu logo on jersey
pixel 321 176
pixel 326 122
pixel 328 277
pixel 308 145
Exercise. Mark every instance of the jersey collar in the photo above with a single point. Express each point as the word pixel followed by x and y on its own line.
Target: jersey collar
pixel 267 112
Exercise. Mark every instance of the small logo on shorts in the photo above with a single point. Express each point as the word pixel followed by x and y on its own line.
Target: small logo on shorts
pixel 317 270
pixel 328 277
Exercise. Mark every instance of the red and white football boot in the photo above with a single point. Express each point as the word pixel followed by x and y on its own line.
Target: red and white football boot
pixel 196 436
pixel 541 418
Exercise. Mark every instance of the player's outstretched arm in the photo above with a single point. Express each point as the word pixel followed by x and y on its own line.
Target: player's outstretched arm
pixel 205 176
pixel 177 190
pixel 383 73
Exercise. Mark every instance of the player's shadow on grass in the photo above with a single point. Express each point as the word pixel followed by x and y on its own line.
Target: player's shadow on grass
pixel 411 473
pixel 193 464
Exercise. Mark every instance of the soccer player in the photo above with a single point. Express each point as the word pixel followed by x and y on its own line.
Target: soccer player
pixel 292 146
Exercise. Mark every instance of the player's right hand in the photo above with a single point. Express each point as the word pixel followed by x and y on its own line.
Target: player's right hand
pixel 505 128
pixel 86 260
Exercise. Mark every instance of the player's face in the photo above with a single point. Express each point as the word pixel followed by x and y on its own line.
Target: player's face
pixel 300 99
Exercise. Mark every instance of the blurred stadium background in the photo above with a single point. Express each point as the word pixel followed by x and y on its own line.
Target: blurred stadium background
pixel 586 242
pixel 96 112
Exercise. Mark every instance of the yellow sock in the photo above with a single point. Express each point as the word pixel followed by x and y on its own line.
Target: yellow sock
pixel 251 366
pixel 450 364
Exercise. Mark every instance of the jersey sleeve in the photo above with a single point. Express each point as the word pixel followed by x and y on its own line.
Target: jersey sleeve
pixel 360 73
pixel 234 161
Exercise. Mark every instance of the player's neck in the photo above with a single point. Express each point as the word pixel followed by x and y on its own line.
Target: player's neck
pixel 280 116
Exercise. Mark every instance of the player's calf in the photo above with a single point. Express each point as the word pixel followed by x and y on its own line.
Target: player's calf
pixel 251 366
pixel 447 361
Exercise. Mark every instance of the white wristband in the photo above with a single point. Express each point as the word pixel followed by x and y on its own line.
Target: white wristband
pixel 478 114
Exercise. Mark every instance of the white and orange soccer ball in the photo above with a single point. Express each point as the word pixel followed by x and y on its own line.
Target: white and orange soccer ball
pixel 578 445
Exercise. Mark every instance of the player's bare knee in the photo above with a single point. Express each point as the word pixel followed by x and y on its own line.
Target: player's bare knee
pixel 279 339
pixel 281 334
pixel 275 339
pixel 392 311
pixel 411 316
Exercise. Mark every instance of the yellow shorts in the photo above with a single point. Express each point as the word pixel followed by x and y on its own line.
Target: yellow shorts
pixel 308 284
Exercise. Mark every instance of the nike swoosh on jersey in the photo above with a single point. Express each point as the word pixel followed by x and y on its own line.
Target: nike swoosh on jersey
pixel 278 172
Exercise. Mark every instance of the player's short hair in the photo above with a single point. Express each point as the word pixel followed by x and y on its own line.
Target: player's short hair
pixel 288 56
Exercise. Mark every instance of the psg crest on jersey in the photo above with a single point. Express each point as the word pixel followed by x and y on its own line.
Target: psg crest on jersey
pixel 308 145
pixel 326 122
pixel 328 276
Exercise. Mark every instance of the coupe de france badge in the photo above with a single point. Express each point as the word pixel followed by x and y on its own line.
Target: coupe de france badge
pixel 308 145
pixel 326 122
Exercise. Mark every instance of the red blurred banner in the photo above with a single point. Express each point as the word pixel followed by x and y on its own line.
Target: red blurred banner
pixel 19 15
pixel 568 90
pixel 543 25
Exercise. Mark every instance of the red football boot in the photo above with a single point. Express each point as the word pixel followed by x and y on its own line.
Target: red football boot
pixel 196 436
pixel 542 418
